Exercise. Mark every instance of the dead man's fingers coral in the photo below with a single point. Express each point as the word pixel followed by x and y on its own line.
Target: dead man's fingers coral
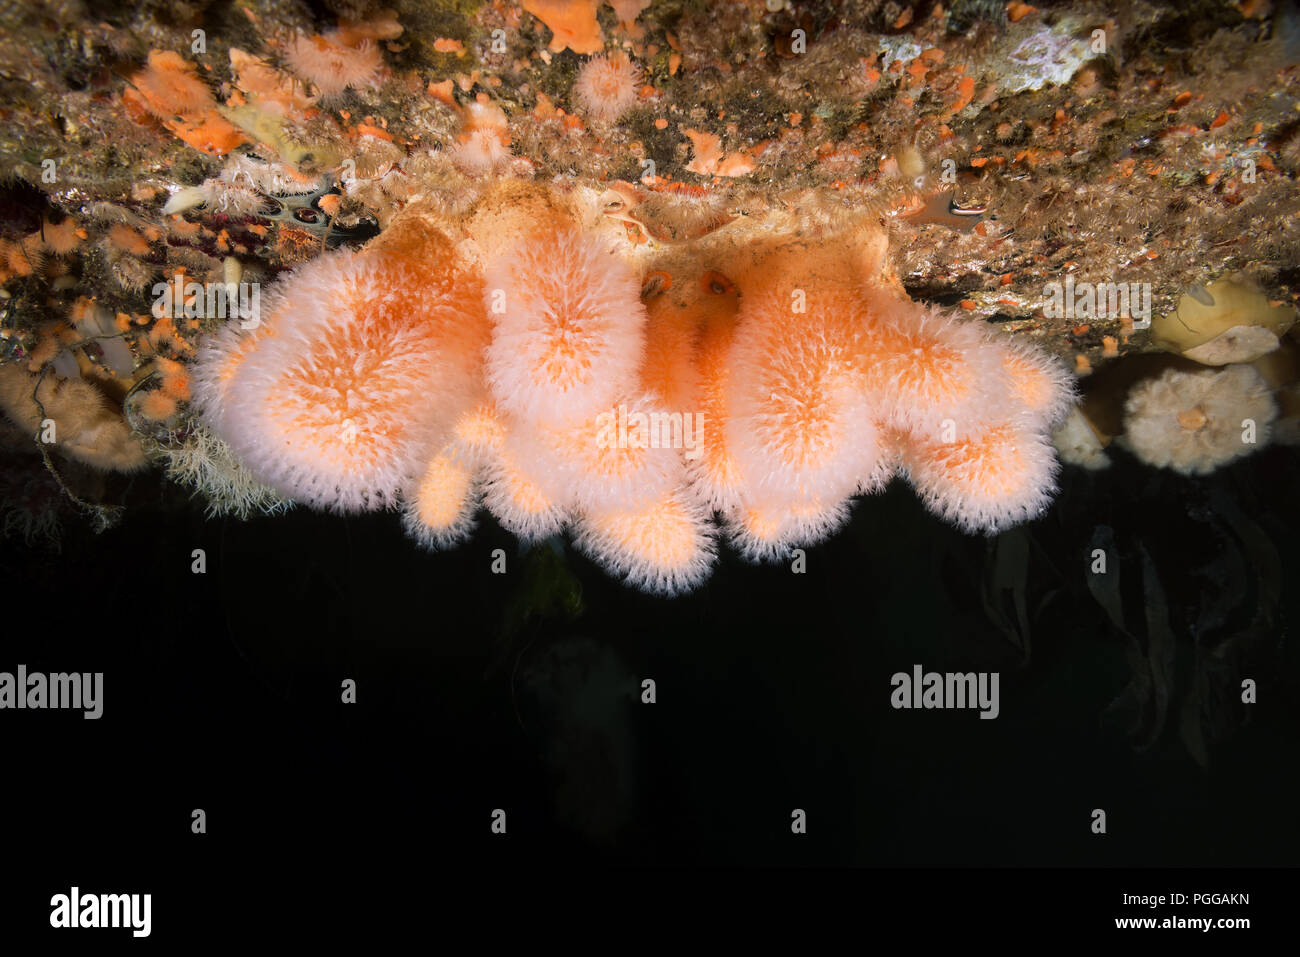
pixel 336 396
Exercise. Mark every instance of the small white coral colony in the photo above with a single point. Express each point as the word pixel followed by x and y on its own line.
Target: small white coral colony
pixel 1194 422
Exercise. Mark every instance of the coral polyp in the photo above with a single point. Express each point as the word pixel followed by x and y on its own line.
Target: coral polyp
pixel 998 477
pixel 665 546
pixel 522 357
pixel 606 86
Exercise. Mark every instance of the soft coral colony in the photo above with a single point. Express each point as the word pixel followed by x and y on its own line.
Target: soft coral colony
pixel 519 357
pixel 509 348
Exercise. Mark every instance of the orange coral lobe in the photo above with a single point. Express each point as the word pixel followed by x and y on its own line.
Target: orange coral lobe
pixel 442 492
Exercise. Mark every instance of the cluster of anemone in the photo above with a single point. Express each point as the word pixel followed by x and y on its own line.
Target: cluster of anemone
pixel 516 361
pixel 34 252
pixel 1229 389
pixel 1180 416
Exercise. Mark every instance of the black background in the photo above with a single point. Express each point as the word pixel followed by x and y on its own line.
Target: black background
pixel 521 691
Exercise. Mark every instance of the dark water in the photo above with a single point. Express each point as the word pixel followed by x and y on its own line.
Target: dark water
pixel 522 691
